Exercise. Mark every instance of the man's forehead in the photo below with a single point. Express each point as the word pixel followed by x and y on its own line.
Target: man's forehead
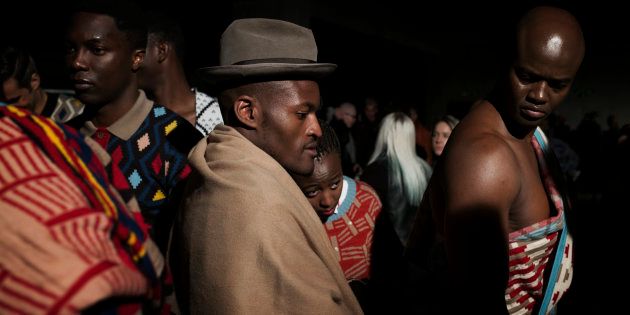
pixel 95 25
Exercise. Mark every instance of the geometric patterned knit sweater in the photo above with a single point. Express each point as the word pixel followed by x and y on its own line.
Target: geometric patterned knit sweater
pixel 153 161
pixel 67 238
pixel 351 228
pixel 532 249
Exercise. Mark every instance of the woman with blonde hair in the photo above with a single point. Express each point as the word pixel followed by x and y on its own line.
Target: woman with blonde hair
pixel 399 176
pixel 397 173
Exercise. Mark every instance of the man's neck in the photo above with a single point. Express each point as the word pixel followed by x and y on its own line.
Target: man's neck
pixel 516 130
pixel 110 113
pixel 176 94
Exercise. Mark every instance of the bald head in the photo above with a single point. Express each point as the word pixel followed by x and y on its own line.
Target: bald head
pixel 549 48
pixel 551 33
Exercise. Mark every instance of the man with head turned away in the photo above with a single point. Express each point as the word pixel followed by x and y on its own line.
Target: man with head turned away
pixel 163 78
pixel 247 240
pixel 21 85
pixel 494 203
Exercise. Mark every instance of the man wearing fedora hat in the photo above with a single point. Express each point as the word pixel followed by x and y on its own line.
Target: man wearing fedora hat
pixel 246 239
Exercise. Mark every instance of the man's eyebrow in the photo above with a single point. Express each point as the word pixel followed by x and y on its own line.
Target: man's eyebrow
pixel 95 40
pixel 310 105
pixel 536 76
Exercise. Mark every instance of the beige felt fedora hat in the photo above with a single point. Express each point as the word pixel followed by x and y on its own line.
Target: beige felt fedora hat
pixel 258 48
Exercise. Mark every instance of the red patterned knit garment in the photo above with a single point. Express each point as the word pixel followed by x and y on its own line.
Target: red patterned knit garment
pixel 531 250
pixel 351 229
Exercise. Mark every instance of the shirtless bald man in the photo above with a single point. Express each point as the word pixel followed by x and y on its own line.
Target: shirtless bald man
pixel 492 204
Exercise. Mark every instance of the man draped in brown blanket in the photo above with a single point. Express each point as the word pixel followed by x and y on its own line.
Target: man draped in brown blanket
pixel 247 240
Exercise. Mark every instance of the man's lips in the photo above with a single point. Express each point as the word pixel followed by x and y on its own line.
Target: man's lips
pixel 312 149
pixel 82 84
pixel 533 112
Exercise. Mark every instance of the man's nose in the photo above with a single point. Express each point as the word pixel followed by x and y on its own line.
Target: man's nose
pixel 538 94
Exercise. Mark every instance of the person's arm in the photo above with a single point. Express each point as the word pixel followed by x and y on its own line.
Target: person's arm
pixel 481 183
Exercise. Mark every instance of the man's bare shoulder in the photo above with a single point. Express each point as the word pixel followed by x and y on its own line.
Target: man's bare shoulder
pixel 479 137
pixel 480 168
pixel 485 149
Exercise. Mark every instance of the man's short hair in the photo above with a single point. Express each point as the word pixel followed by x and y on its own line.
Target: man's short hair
pixel 168 29
pixel 128 16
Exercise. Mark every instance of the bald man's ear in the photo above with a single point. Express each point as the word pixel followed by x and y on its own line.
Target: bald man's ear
pixel 247 111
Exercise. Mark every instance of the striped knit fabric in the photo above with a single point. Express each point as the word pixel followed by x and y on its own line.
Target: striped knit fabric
pixel 531 250
pixel 351 229
pixel 68 239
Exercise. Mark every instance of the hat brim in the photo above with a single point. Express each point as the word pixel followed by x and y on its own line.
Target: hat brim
pixel 268 71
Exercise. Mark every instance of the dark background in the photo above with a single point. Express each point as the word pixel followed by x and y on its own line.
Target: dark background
pixel 440 57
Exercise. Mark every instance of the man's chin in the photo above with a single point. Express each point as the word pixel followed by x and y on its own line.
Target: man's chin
pixel 530 122
pixel 322 217
pixel 85 97
pixel 302 171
